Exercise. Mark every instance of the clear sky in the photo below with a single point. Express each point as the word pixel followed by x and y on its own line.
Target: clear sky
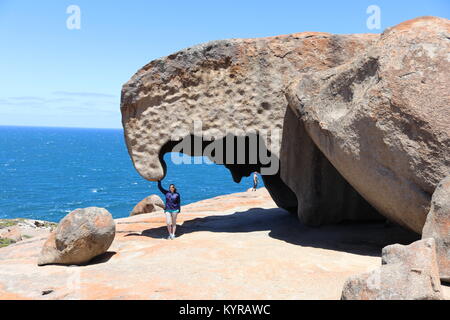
pixel 54 76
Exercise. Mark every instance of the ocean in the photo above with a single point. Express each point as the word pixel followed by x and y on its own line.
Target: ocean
pixel 46 173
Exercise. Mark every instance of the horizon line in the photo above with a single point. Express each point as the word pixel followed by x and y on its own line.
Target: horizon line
pixel 58 127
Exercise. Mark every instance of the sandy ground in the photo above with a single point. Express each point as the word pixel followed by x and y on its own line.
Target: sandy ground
pixel 237 246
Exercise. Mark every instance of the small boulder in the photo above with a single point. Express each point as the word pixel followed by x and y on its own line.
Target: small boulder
pixel 407 273
pixel 150 204
pixel 437 226
pixel 80 236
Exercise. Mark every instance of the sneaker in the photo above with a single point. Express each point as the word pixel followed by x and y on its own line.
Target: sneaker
pixel 169 237
pixel 173 236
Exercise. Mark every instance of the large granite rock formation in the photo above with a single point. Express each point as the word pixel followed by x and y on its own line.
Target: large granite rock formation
pixel 407 273
pixel 357 112
pixel 237 87
pixel 80 236
pixel 437 226
pixel 383 120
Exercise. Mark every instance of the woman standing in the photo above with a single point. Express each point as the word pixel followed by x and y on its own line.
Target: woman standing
pixel 172 208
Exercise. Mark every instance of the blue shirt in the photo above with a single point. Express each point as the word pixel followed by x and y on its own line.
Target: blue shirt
pixel 173 199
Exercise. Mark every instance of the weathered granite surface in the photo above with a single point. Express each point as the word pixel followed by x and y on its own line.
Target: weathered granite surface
pixel 407 273
pixel 437 226
pixel 382 119
pixel 221 243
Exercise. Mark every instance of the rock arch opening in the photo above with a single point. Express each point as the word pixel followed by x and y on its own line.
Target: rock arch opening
pixel 241 155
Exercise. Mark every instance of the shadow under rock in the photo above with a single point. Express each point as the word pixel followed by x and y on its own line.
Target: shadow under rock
pixel 364 238
pixel 102 258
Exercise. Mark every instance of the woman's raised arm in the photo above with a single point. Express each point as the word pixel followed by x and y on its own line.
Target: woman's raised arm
pixel 164 191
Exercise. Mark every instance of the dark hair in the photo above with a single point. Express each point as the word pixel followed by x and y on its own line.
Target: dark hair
pixel 174 188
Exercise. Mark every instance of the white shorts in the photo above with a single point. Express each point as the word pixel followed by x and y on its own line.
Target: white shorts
pixel 171 218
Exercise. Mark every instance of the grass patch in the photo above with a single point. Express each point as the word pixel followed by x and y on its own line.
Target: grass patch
pixel 4 242
pixel 5 223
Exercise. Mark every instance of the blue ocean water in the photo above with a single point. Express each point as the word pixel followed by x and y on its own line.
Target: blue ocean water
pixel 47 172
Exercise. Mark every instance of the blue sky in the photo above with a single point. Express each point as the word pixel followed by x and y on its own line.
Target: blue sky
pixel 53 76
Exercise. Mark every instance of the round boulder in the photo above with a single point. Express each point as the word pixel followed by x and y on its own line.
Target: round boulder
pixel 80 236
pixel 150 204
